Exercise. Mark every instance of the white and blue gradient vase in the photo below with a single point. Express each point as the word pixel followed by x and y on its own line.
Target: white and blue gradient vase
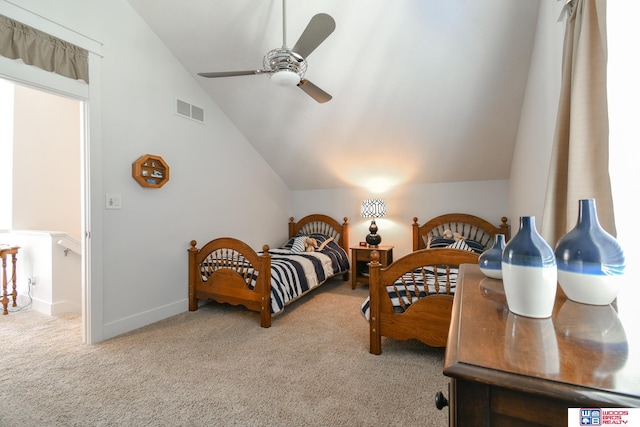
pixel 529 272
pixel 590 261
pixel 490 261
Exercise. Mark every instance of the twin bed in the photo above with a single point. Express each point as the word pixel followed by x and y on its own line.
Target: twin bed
pixel 410 299
pixel 228 270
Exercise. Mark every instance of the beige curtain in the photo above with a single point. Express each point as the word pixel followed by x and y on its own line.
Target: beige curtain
pixel 580 160
pixel 33 47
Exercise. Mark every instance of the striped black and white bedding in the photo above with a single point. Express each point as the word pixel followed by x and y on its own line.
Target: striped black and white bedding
pixel 295 273
pixel 410 287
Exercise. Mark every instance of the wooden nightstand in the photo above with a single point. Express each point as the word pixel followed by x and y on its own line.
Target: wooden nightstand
pixel 360 257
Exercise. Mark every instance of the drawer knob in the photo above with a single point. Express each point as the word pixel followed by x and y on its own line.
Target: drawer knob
pixel 441 401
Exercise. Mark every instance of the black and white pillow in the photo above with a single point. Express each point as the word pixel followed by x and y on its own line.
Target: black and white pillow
pixel 440 242
pixel 475 246
pixel 298 244
pixel 460 244
pixel 464 244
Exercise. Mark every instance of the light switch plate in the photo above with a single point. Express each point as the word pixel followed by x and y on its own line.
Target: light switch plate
pixel 113 201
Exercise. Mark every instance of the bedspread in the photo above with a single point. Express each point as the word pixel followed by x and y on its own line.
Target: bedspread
pixel 294 274
pixel 410 287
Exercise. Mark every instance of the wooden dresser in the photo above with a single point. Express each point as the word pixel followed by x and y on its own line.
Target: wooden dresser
pixel 509 370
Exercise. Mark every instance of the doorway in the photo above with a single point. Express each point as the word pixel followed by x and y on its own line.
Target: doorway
pixel 91 98
pixel 42 170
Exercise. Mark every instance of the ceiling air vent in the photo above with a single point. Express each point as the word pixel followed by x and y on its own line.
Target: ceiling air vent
pixel 189 111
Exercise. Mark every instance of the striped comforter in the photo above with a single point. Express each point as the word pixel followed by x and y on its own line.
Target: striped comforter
pixel 410 287
pixel 295 273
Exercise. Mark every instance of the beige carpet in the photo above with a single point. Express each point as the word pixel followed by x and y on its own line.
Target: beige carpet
pixel 216 366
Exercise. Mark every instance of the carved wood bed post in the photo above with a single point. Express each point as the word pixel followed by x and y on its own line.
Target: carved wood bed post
pixel 265 288
pixel 345 234
pixel 504 227
pixel 416 234
pixel 345 242
pixel 292 224
pixel 375 344
pixel 193 271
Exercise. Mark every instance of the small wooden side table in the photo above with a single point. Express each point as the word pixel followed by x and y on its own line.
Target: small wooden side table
pixel 4 251
pixel 360 257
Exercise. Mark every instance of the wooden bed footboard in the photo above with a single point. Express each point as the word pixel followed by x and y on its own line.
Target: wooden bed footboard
pixel 227 270
pixel 428 318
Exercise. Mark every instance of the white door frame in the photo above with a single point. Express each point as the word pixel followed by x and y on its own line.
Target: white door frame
pixel 92 286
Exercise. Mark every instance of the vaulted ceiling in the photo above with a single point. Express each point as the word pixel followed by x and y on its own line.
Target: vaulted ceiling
pixel 424 91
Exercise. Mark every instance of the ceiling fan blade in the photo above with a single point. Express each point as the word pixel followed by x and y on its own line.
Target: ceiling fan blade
pixel 232 73
pixel 314 91
pixel 318 29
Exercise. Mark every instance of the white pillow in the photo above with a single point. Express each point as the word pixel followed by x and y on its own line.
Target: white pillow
pixel 298 244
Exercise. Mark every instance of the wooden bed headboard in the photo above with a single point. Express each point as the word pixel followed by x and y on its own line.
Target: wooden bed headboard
pixel 322 224
pixel 469 226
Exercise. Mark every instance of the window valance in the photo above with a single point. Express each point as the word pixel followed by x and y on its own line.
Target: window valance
pixel 34 47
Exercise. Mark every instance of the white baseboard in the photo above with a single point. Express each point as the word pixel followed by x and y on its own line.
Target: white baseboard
pixel 55 309
pixel 65 307
pixel 127 324
pixel 41 306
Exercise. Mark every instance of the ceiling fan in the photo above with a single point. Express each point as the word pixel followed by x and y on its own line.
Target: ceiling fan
pixel 286 66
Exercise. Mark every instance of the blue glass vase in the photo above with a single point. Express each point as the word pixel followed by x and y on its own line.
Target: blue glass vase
pixel 490 261
pixel 590 261
pixel 529 272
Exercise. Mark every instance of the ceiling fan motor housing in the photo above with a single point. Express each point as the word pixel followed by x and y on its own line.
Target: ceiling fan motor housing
pixel 288 67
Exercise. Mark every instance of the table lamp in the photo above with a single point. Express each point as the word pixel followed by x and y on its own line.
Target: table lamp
pixel 373 208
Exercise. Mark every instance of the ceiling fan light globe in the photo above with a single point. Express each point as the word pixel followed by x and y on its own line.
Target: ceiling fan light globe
pixel 285 78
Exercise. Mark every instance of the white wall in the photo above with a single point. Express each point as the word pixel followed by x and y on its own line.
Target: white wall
pixel 219 184
pixel 6 151
pixel 624 133
pixel 46 162
pixel 487 199
pixel 532 154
